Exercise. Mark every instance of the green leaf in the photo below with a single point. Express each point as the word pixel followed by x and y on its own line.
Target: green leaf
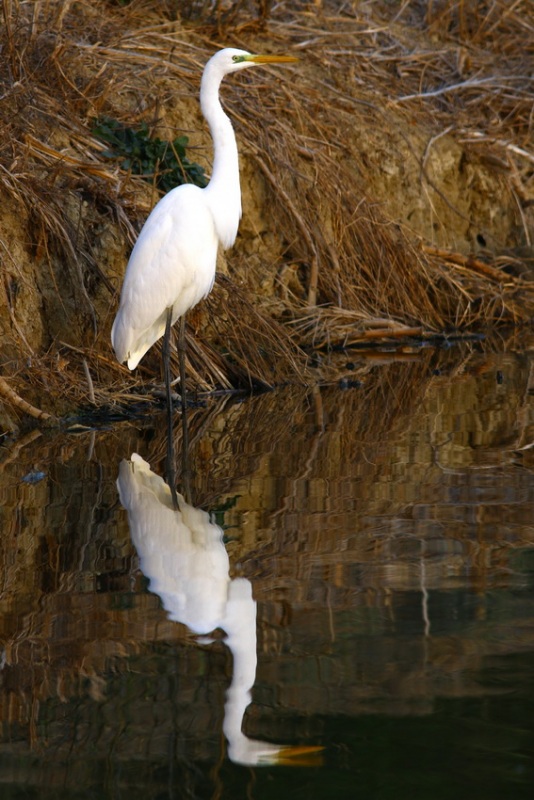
pixel 144 155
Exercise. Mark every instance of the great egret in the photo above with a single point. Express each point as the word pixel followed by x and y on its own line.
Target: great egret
pixel 172 265
pixel 183 554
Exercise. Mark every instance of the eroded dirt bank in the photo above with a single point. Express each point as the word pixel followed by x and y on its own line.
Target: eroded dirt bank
pixel 387 182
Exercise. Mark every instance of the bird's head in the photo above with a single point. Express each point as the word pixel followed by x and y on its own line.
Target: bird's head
pixel 231 60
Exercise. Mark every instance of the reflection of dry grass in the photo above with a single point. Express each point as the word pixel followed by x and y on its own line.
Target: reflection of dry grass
pixel 344 498
pixel 378 396
pixel 338 261
pixel 340 528
pixel 436 498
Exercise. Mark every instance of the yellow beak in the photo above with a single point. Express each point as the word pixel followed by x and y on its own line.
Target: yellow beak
pixel 300 756
pixel 264 59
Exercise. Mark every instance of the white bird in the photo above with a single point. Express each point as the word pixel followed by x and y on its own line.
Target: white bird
pixel 172 265
pixel 183 555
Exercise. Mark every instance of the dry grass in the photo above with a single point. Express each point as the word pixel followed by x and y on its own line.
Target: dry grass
pixel 342 267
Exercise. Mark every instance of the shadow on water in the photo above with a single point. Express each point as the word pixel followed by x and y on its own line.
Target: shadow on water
pixel 374 589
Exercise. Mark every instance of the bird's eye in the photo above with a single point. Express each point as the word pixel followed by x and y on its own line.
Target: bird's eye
pixel 238 59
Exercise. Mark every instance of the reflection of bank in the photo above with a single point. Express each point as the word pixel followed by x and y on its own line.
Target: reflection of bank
pixel 183 554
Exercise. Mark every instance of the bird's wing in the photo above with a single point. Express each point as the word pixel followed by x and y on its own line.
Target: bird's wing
pixel 172 265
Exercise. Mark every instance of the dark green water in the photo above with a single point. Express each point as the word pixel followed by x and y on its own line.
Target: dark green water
pixel 378 545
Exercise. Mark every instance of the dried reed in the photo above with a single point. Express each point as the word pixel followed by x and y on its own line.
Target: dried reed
pixel 342 266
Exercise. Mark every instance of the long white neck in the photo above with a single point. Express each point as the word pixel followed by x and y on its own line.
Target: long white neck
pixel 223 191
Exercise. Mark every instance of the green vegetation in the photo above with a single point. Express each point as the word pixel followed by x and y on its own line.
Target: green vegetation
pixel 161 162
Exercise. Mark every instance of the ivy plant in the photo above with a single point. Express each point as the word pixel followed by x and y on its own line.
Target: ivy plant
pixel 164 163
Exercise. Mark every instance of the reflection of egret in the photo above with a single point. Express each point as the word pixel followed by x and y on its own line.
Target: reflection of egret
pixel 172 265
pixel 183 555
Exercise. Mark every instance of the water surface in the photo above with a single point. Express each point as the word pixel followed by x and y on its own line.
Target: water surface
pixel 360 558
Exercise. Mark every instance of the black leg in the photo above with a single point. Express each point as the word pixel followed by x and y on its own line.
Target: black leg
pixel 186 476
pixel 171 463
